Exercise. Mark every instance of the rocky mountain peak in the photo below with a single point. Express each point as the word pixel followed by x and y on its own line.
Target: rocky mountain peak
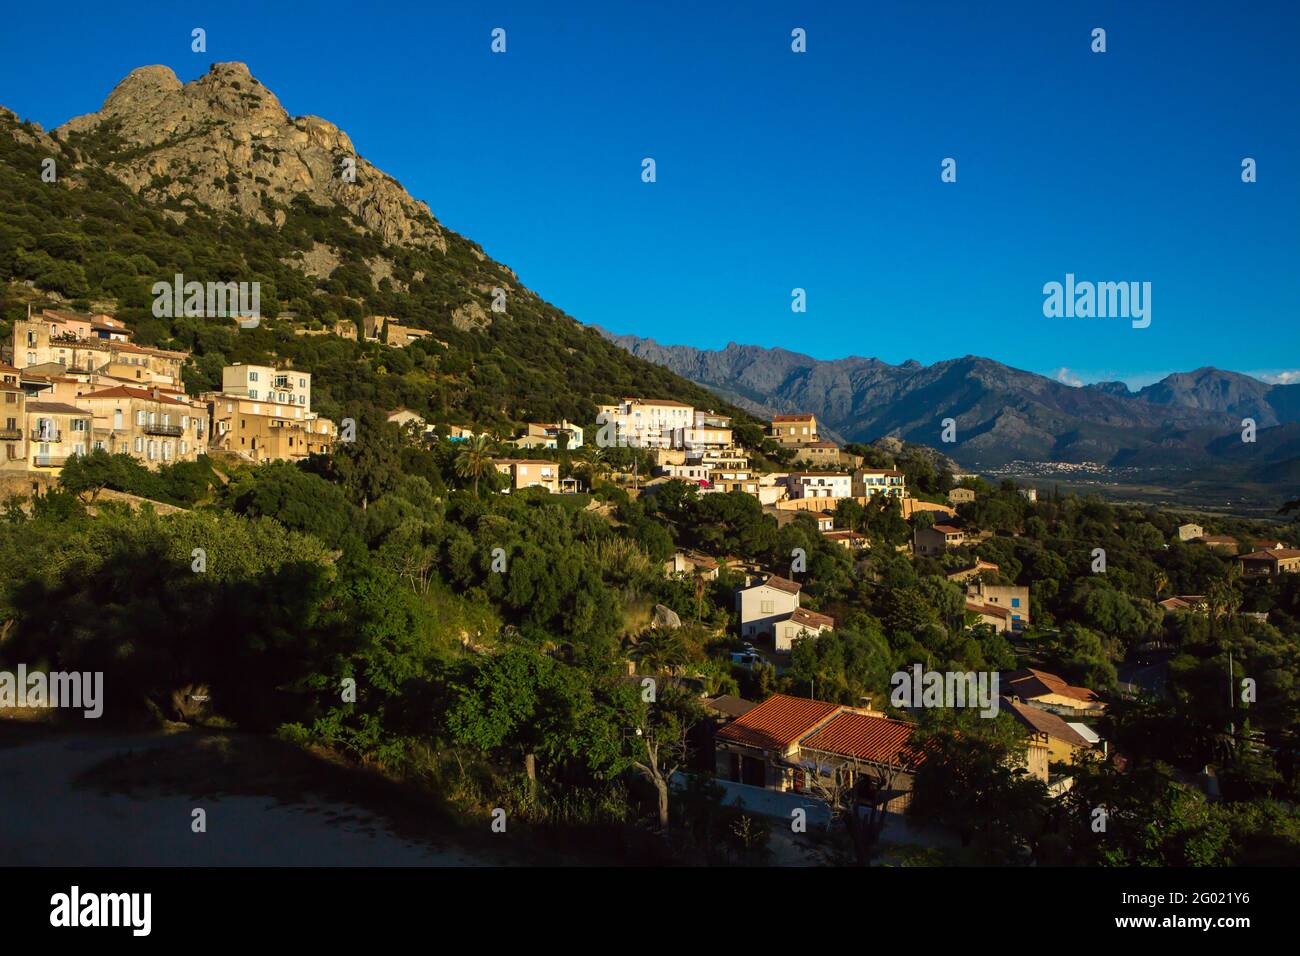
pixel 224 141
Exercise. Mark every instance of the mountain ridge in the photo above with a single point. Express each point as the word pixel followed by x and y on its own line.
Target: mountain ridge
pixel 1002 413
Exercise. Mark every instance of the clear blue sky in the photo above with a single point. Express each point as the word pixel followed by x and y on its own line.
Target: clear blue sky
pixel 820 170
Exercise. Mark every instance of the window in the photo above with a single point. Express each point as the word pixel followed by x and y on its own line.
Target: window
pixel 765 607
pixel 139 445
pixel 252 376
pixel 252 393
pixel 117 419
pixel 1015 602
pixel 139 418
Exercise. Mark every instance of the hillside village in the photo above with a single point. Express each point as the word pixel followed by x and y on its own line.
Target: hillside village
pixel 76 387
pixel 561 583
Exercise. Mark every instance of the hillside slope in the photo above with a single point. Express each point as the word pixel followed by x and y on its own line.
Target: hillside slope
pixel 215 181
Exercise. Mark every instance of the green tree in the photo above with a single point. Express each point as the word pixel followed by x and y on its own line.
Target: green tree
pixel 474 460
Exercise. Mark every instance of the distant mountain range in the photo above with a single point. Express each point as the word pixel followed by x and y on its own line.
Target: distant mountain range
pixel 1005 414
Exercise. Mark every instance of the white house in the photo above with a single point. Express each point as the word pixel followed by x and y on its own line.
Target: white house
pixel 772 609
pixel 799 624
pixel 819 484
pixel 761 606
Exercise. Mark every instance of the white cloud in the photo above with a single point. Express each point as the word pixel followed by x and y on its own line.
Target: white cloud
pixel 1286 376
pixel 1066 377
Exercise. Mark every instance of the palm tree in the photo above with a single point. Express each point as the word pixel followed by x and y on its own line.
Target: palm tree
pixel 662 651
pixel 474 460
pixel 595 462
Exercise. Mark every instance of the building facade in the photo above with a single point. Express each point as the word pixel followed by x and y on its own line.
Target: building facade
pixel 794 429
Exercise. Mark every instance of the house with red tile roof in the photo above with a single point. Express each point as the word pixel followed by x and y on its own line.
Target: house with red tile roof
pixel 762 605
pixel 770 610
pixel 793 743
pixel 1012 598
pixel 1041 689
pixel 1270 563
pixel 1185 602
pixel 998 618
pixel 800 624
pixel 155 426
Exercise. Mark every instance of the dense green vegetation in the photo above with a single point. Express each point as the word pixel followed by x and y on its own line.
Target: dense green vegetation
pixel 488 636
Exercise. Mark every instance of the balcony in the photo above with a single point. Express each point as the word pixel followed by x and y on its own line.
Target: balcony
pixel 50 461
pixel 174 431
pixel 11 434
pixel 46 436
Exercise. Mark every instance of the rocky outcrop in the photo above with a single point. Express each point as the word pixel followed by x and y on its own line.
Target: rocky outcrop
pixel 666 618
pixel 224 141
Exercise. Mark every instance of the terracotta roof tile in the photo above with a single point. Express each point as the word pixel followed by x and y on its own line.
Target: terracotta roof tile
pixel 57 408
pixel 1045 722
pixel 989 609
pixel 811 618
pixel 864 737
pixel 783 584
pixel 126 391
pixel 730 705
pixel 1029 684
pixel 778 722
